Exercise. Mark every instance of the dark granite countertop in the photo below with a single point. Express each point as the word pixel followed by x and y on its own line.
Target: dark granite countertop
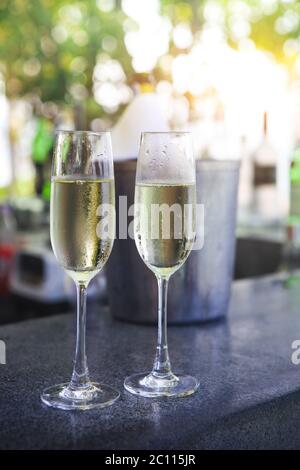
pixel 249 394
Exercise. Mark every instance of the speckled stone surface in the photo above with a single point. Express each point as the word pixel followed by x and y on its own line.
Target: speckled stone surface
pixel 249 397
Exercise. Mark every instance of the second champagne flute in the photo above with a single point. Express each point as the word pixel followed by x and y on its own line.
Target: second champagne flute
pixel 164 229
pixel 82 235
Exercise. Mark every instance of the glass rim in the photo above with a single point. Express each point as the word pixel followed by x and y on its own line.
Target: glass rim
pixel 167 132
pixel 78 132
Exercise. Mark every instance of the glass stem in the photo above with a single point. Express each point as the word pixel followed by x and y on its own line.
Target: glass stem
pixel 80 377
pixel 162 365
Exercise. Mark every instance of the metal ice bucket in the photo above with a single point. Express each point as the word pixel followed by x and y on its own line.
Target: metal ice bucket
pixel 200 289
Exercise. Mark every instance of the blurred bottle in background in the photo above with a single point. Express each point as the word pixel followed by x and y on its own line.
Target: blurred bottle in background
pixel 246 180
pixel 294 214
pixel 6 173
pixel 265 196
pixel 291 249
pixel 7 245
pixel 41 155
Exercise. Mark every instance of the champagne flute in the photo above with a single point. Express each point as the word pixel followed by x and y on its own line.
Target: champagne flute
pixel 164 230
pixel 82 230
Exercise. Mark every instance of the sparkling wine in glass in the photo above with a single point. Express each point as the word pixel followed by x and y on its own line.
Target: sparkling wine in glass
pixel 164 227
pixel 82 226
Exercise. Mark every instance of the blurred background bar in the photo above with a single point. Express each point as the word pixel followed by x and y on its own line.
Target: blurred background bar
pixel 228 71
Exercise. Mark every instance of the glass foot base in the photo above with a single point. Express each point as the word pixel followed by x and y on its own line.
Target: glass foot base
pixel 64 397
pixel 148 385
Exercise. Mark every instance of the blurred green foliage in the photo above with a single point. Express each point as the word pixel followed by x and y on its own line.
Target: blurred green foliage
pixel 39 56
pixel 263 15
pixel 47 46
